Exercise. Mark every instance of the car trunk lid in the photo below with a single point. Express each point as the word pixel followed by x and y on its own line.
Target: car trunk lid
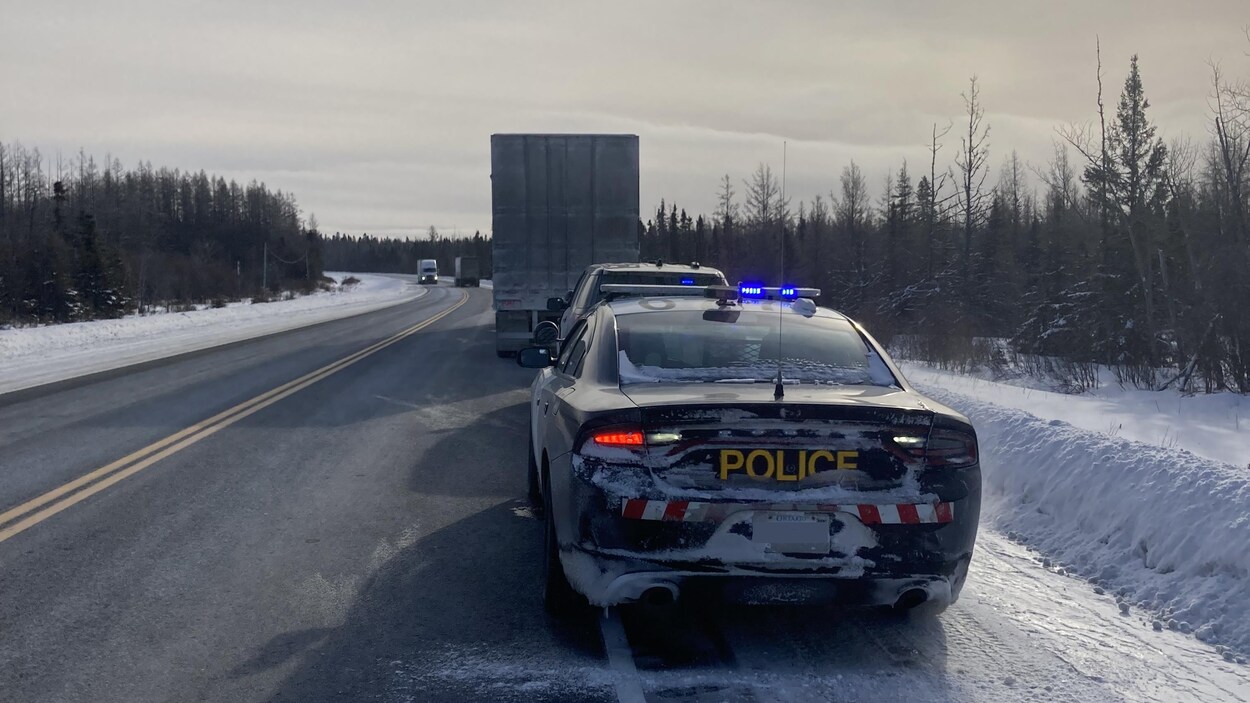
pixel 721 437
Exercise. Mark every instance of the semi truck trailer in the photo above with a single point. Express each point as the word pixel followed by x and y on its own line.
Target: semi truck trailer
pixel 467 272
pixel 559 203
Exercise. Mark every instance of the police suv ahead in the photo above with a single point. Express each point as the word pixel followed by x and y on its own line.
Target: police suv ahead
pixel 589 289
pixel 747 446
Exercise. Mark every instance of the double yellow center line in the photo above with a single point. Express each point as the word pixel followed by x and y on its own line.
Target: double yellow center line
pixel 34 511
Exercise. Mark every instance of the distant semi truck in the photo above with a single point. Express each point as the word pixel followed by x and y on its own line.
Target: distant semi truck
pixel 467 271
pixel 427 271
pixel 560 202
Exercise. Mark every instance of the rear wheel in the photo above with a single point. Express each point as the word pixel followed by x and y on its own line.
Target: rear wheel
pixel 559 598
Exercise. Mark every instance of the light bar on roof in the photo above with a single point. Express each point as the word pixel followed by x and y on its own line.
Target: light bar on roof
pixel 644 290
pixel 755 291
pixel 742 291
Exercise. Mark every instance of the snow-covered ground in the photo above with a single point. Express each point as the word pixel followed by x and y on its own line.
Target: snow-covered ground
pixel 1145 494
pixel 1107 569
pixel 1215 426
pixel 32 356
pixel 1020 632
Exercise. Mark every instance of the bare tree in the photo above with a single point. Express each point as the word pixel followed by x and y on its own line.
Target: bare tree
pixel 973 170
pixel 765 205
pixel 1099 171
pixel 932 202
pixel 1059 179
pixel 1230 105
pixel 853 211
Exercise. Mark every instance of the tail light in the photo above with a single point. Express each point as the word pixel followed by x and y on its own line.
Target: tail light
pixel 613 443
pixel 951 449
pixel 617 438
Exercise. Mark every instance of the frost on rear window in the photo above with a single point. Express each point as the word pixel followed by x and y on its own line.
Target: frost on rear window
pixel 744 346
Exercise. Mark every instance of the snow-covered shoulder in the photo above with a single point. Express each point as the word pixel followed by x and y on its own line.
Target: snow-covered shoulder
pixel 33 356
pixel 1158 525
pixel 1215 426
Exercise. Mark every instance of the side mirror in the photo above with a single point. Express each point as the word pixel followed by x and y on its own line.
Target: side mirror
pixel 546 333
pixel 556 304
pixel 534 358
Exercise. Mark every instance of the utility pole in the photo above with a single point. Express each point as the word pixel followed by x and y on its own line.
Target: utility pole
pixel 264 276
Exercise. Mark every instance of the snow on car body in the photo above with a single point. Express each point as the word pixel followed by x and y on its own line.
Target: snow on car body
pixel 670 460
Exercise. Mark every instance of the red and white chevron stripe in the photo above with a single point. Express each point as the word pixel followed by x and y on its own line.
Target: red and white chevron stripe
pixel 885 514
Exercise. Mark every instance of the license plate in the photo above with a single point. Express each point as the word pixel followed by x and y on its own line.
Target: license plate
pixel 792 533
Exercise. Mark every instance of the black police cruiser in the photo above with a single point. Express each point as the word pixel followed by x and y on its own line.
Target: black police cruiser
pixel 745 445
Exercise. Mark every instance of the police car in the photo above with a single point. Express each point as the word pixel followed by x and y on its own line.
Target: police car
pixel 742 444
pixel 588 291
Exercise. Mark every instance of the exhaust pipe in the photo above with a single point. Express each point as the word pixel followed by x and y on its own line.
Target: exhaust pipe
pixel 911 598
pixel 659 595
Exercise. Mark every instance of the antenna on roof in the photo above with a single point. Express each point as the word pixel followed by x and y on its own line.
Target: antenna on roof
pixel 779 391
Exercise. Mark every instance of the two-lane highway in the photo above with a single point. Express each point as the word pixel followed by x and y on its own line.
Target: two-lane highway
pixel 337 513
pixel 218 527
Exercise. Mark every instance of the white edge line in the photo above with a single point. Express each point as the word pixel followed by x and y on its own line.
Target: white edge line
pixel 621 659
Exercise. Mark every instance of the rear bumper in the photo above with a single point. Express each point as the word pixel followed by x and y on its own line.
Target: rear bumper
pixel 874 554
pixel 612 580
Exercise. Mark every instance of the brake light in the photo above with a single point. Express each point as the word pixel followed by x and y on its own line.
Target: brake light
pixel 618 438
pixel 951 449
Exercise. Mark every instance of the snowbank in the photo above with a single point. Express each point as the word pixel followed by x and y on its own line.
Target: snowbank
pixel 32 356
pixel 1215 426
pixel 1158 525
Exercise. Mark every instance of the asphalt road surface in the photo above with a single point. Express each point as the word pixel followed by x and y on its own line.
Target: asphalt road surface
pixel 338 513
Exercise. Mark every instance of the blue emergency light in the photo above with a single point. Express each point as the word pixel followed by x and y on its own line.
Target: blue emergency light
pixel 758 291
pixel 727 294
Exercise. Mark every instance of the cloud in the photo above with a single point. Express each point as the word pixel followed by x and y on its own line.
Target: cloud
pixel 377 114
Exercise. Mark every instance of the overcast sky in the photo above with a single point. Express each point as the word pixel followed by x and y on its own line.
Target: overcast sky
pixel 377 113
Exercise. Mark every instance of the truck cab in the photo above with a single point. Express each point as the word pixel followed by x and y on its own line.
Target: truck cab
pixel 427 271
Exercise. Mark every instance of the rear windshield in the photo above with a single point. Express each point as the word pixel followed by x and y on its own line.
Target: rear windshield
pixel 743 346
pixel 655 278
